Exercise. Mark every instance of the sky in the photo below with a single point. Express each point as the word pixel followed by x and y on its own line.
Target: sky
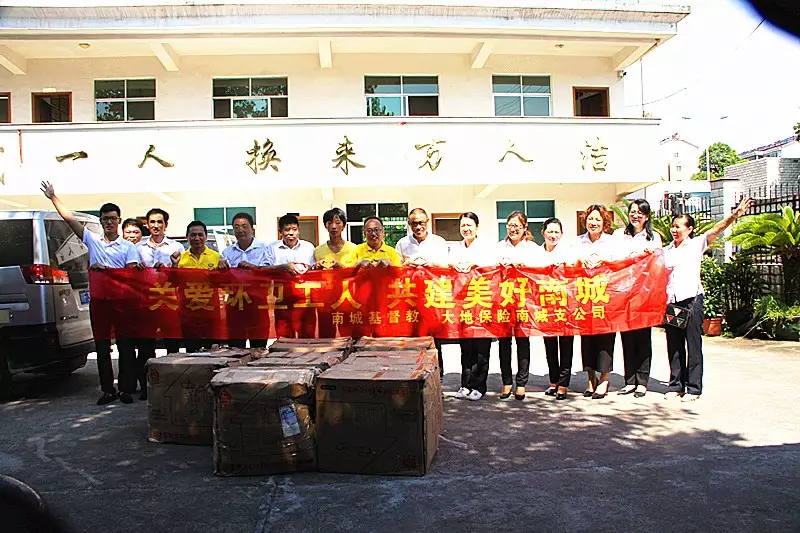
pixel 754 80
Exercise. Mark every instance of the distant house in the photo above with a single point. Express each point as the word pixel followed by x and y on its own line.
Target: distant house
pixel 679 158
pixel 788 147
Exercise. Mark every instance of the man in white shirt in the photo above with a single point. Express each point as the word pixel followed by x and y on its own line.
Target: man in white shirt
pixel 295 256
pixel 109 250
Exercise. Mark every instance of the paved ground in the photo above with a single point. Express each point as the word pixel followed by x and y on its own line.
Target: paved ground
pixel 730 462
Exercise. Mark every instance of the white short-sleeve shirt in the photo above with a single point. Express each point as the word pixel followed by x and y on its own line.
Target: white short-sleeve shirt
pixel 277 253
pixel 605 248
pixel 526 252
pixel 118 253
pixel 635 244
pixel 432 249
pixel 151 253
pixel 481 252
pixel 563 253
pixel 683 264
pixel 255 254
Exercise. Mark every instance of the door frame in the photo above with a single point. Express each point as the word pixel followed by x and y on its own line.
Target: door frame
pixel 35 111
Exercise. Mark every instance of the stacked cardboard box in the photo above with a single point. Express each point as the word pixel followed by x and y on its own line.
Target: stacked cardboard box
pixel 263 421
pixel 179 405
pixel 394 343
pixel 318 361
pixel 285 344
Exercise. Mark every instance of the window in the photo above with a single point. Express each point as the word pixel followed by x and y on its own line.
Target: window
pixel 52 107
pixel 446 226
pixel 251 97
pixel 521 96
pixel 402 96
pixel 120 100
pixel 537 211
pixel 675 155
pixel 67 252
pixel 219 218
pixel 394 216
pixel 5 108
pixel 16 241
pixel 309 228
pixel 591 101
pixel 677 168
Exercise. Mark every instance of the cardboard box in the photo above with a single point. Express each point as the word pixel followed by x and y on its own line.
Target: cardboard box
pixel 378 422
pixel 394 343
pixel 284 344
pixel 394 358
pixel 263 421
pixel 314 361
pixel 179 403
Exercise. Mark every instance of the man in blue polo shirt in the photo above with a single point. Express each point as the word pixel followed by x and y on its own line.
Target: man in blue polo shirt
pixel 109 250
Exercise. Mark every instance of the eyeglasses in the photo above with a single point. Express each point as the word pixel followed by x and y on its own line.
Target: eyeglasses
pixel 108 219
pixel 418 223
pixel 373 231
pixel 514 226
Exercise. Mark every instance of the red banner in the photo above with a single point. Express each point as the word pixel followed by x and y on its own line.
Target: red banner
pixel 408 301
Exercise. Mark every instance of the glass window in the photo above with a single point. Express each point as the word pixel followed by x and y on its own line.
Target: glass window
pixel 521 96
pixel 358 212
pixel 221 218
pixel 233 211
pixel 394 216
pixel 393 211
pixel 67 252
pixel 447 226
pixel 591 102
pixel 16 241
pixel 540 208
pixel 232 97
pixel 5 108
pixel 537 212
pixel 120 100
pixel 401 96
pixel 505 208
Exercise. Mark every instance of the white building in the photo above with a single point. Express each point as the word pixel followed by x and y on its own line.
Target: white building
pixel 788 147
pixel 679 157
pixel 252 103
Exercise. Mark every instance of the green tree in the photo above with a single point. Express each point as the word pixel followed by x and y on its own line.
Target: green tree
pixel 779 235
pixel 721 155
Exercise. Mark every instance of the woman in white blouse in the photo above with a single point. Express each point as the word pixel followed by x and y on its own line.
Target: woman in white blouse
pixel 637 345
pixel 684 288
pixel 516 250
pixel 593 248
pixel 472 252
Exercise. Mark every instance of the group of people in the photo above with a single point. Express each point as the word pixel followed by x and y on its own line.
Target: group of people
pixel 422 248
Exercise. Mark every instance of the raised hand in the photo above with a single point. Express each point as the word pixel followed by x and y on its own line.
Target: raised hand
pixel 48 190
pixel 744 207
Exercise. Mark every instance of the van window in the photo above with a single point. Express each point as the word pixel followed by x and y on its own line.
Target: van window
pixel 16 242
pixel 67 252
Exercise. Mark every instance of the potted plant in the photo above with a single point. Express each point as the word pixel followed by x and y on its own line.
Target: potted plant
pixel 711 275
pixel 777 320
pixel 741 286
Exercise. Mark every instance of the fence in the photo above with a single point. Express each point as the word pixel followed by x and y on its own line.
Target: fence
pixel 679 203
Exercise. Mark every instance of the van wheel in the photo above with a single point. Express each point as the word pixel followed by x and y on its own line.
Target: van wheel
pixel 5 378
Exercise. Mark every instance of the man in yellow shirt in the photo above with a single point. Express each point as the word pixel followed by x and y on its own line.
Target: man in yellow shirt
pixel 375 252
pixel 337 252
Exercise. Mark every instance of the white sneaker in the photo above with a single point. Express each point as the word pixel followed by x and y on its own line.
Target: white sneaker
pixel 672 395
pixel 474 395
pixel 462 393
pixel 690 397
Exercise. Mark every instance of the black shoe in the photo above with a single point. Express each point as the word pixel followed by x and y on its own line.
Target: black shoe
pixel 588 394
pixel 125 397
pixel 505 395
pixel 638 394
pixel 561 396
pixel 519 397
pixel 623 392
pixel 143 395
pixel 597 396
pixel 107 398
pixel 551 391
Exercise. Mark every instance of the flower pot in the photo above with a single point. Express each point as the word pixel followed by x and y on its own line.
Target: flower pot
pixel 712 327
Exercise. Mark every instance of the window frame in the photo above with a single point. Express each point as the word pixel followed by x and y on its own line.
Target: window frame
pixel 126 98
pixel 530 218
pixel 36 119
pixel 302 218
pixel 444 216
pixel 7 96
pixel 605 90
pixel 404 110
pixel 360 223
pixel 227 227
pixel 522 95
pixel 250 96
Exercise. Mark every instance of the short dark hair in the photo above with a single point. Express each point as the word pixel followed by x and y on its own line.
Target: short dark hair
pixel 373 218
pixel 688 220
pixel 243 216
pixel 470 215
pixel 157 211
pixel 198 223
pixel 133 222
pixel 335 212
pixel 417 211
pixel 107 208
pixel 287 219
pixel 552 220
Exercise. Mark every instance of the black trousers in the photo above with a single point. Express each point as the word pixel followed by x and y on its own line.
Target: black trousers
pixel 126 364
pixel 523 360
pixel 172 345
pixel 597 352
pixel 146 349
pixel 637 352
pixel 475 363
pixel 560 370
pixel 438 344
pixel 686 365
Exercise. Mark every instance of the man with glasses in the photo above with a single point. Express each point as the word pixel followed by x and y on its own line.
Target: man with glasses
pixel 375 252
pixel 107 251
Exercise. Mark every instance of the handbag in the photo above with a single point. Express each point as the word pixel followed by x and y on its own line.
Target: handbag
pixel 677 316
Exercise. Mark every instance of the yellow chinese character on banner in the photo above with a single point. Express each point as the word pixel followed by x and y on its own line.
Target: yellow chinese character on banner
pixel 356 318
pixel 394 317
pixel 307 287
pixel 561 314
pixel 345 297
pixel 541 315
pixel 523 315
pixel 466 317
pixel 375 317
pixel 484 316
pixel 236 297
pixel 439 293
pixel 579 314
pixel 402 291
pixel 552 292
pixel 508 289
pixel 593 289
pixel 274 297
pixel 598 311
pixel 199 296
pixel 448 317
pixel 164 295
pixel 479 292
pixel 412 316
pixel 337 317
pixel 503 315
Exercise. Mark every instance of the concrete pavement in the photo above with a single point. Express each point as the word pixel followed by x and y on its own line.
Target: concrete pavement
pixel 729 462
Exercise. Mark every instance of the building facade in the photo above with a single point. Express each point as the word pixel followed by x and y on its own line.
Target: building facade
pixel 376 107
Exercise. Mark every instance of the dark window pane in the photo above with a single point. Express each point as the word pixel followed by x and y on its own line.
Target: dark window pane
pixel 356 234
pixel 141 110
pixel 279 107
pixel 67 252
pixel 110 110
pixel 231 87
pixel 395 210
pixel 540 208
pixel 5 111
pixel 308 230
pixel 447 228
pixel 507 106
pixel 420 85
pixel 212 216
pixel 385 106
pixel 535 84
pixel 393 233
pixel 109 89
pixel 141 88
pixel 591 103
pixel 502 233
pixel 536 106
pixel 505 208
pixel 358 212
pixel 382 84
pixel 423 106
pixel 233 211
pixel 536 230
pixel 506 84
pixel 252 108
pixel 269 87
pixel 222 108
pixel 16 241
